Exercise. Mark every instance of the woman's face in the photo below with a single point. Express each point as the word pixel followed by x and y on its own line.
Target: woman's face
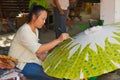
pixel 40 21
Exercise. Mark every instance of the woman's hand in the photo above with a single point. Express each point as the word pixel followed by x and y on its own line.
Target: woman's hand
pixel 63 37
pixel 43 56
pixel 50 45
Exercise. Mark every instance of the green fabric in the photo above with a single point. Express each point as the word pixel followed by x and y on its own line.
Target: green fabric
pixel 39 2
pixel 100 22
pixel 86 26
pixel 82 27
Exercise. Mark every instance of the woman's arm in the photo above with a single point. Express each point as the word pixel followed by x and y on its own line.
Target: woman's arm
pixel 48 46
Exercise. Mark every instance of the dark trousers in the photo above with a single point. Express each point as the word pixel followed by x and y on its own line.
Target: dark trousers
pixel 60 21
pixel 35 71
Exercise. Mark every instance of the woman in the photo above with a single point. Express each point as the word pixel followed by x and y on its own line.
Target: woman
pixel 27 50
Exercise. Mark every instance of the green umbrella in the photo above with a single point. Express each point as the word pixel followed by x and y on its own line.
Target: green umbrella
pixel 39 2
pixel 93 52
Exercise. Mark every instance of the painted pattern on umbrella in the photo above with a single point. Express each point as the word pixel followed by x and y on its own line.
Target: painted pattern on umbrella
pixel 93 52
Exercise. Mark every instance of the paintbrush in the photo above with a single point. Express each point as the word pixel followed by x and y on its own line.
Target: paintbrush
pixel 63 32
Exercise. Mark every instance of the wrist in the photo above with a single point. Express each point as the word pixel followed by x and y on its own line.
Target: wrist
pixel 58 41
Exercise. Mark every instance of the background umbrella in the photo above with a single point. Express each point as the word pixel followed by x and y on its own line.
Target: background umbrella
pixel 93 52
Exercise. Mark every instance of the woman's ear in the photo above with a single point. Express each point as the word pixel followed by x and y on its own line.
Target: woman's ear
pixel 34 17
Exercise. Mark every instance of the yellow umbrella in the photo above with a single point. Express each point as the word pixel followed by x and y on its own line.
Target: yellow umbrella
pixel 92 52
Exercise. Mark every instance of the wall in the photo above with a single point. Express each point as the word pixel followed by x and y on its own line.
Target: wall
pixel 110 11
pixel 107 11
pixel 117 11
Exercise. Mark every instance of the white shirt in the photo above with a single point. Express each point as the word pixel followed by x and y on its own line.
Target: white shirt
pixel 64 4
pixel 24 46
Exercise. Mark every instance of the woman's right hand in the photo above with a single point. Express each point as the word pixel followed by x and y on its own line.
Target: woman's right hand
pixel 63 37
pixel 43 56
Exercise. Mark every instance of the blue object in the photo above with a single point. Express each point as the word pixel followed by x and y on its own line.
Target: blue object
pixel 35 71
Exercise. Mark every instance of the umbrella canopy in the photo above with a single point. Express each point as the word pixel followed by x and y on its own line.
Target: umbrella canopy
pixel 93 52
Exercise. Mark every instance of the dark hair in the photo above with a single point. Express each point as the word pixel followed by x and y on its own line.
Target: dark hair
pixel 35 9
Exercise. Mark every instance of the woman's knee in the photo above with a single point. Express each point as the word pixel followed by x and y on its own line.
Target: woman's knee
pixel 32 69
